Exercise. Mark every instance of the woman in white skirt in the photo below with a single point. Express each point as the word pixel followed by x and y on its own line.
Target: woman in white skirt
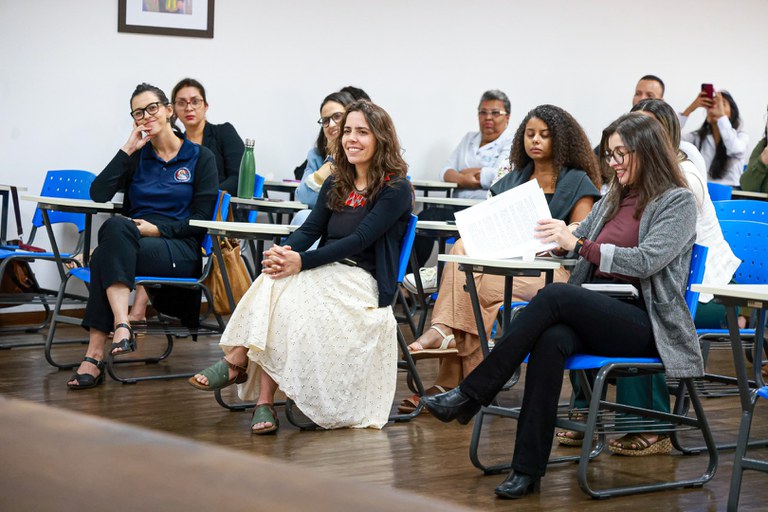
pixel 318 323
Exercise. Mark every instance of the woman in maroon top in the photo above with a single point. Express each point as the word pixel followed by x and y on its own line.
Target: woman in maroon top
pixel 642 233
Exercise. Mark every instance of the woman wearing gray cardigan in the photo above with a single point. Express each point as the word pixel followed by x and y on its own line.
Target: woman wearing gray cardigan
pixel 641 233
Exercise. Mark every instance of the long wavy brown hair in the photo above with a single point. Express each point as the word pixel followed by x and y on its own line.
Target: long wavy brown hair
pixel 655 164
pixel 570 145
pixel 387 160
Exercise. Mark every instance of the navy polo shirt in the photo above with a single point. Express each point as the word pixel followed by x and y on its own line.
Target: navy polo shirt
pixel 164 188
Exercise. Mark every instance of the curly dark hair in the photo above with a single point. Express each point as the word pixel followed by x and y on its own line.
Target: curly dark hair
pixel 717 169
pixel 387 161
pixel 570 145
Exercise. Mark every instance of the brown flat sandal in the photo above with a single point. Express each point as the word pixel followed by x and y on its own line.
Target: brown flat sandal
pixel 638 445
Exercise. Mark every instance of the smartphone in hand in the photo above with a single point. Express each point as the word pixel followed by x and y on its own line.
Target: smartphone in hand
pixel 709 90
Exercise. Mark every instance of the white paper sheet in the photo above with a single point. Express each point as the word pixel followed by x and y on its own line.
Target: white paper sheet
pixel 503 226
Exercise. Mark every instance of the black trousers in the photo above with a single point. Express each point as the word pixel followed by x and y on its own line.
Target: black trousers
pixel 122 254
pixel 561 320
pixel 423 245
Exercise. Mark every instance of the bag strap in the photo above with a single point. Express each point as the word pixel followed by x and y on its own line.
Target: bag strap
pixel 16 211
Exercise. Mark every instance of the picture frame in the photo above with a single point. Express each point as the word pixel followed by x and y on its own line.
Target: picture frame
pixel 185 18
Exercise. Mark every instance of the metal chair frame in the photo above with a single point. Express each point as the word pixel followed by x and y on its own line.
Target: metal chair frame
pixel 603 417
pixel 164 325
pixel 73 184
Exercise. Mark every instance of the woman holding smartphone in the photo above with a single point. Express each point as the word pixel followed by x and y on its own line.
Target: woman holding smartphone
pixel 720 139
pixel 167 181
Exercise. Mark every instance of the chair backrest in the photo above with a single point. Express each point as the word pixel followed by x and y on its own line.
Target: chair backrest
pixel 220 213
pixel 719 192
pixel 695 276
pixel 406 247
pixel 742 209
pixel 258 193
pixel 749 242
pixel 65 184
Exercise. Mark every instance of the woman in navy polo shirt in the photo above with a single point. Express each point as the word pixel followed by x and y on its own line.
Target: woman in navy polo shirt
pixel 167 181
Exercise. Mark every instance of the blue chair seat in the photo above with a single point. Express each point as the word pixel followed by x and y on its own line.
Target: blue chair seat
pixel 763 392
pixel 84 274
pixel 4 253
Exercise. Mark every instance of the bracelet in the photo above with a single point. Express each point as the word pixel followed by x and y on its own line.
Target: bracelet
pixel 579 244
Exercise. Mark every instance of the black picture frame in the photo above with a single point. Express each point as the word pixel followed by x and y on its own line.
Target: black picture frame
pixel 159 29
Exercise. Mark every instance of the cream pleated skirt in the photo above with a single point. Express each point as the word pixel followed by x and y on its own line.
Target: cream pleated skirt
pixel 322 337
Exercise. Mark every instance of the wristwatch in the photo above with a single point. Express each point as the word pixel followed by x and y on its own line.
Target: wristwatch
pixel 579 244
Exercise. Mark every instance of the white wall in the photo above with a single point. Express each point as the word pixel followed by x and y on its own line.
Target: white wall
pixel 66 74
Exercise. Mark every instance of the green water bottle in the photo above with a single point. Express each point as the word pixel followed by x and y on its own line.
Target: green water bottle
pixel 247 177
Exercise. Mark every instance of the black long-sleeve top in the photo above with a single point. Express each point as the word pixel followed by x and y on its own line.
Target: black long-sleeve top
pixel 376 238
pixel 227 147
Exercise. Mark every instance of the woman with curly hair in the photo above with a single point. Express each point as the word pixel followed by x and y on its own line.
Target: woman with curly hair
pixel 550 147
pixel 721 139
pixel 318 323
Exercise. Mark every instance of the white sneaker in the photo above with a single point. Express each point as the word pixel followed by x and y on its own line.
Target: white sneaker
pixel 428 280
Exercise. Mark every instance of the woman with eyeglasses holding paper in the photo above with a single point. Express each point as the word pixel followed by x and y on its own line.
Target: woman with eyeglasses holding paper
pixel 320 157
pixel 550 147
pixel 167 181
pixel 641 233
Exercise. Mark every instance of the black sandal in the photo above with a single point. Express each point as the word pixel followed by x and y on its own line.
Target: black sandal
pixel 86 380
pixel 125 345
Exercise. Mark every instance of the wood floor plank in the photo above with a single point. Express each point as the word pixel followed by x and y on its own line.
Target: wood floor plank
pixel 423 456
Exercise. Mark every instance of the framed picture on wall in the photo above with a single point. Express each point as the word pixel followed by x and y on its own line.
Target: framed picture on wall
pixel 188 18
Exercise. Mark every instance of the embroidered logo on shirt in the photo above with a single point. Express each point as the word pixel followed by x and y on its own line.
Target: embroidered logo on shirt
pixel 182 175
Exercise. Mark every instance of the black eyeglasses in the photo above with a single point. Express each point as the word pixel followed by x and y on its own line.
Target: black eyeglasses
pixel 618 154
pixel 150 109
pixel 493 113
pixel 195 102
pixel 326 121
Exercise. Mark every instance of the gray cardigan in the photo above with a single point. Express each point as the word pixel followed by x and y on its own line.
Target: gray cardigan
pixel 661 261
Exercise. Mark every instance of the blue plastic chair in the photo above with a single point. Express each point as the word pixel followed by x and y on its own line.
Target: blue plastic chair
pixel 742 209
pixel 167 328
pixel 70 184
pixel 600 411
pixel 718 192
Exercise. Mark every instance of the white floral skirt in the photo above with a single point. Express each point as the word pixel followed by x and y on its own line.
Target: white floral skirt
pixel 322 337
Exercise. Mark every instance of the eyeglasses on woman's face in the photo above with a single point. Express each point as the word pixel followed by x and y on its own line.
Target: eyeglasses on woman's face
pixel 618 154
pixel 194 102
pixel 326 121
pixel 150 109
pixel 495 114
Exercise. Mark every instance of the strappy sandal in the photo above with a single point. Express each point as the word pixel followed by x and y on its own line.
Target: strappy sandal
pixel 571 437
pixel 264 413
pixel 125 345
pixel 637 445
pixel 410 404
pixel 218 376
pixel 86 380
pixel 442 351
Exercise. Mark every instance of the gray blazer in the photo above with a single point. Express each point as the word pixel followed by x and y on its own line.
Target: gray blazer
pixel 661 261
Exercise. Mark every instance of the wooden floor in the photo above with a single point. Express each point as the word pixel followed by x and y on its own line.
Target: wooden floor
pixel 423 456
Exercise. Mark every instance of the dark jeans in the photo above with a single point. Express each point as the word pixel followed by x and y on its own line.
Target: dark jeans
pixel 122 254
pixel 561 320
